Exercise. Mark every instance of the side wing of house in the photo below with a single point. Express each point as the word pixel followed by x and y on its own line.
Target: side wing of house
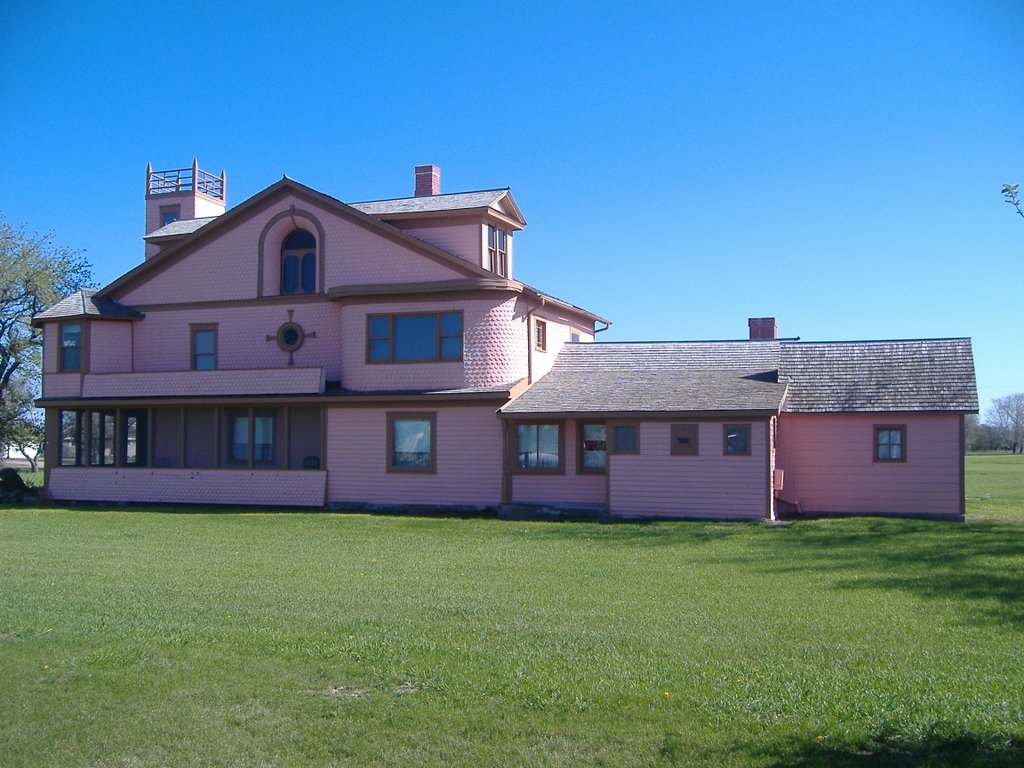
pixel 876 427
pixel 676 430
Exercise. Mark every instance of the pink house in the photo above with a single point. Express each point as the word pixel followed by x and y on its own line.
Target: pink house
pixel 296 350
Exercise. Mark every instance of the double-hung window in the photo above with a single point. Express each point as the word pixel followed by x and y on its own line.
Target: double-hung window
pixel 497 250
pixel 419 338
pixel 204 347
pixel 71 347
pixel 540 335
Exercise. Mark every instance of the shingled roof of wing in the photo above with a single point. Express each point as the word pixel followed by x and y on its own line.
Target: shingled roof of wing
pixel 84 303
pixel 450 202
pixel 897 375
pixel 647 377
pixel 179 228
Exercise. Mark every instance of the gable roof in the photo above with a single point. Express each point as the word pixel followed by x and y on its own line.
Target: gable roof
pixel 496 199
pixel 85 303
pixel 899 375
pixel 756 376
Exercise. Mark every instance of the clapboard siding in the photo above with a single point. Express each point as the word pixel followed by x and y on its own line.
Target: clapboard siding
pixel 468 466
pixel 654 482
pixel 572 487
pixel 829 466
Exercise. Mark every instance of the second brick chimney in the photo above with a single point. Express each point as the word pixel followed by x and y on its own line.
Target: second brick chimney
pixel 763 328
pixel 428 180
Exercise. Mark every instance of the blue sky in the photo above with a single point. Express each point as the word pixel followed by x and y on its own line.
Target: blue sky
pixel 682 166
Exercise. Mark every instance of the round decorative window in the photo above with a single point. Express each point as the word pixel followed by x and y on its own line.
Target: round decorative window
pixel 290 337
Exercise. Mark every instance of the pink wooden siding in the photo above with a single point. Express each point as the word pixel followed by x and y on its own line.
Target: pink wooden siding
pixel 560 328
pixel 464 239
pixel 51 346
pixel 188 486
pixel 222 269
pixel 253 381
pixel 494 350
pixel 163 339
pixel 110 347
pixel 570 488
pixel 468 458
pixel 829 468
pixel 773 455
pixel 655 482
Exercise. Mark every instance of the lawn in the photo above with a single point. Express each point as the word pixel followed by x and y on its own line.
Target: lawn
pixel 149 637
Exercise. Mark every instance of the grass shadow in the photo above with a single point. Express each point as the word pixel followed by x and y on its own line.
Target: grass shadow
pixel 980 565
pixel 936 750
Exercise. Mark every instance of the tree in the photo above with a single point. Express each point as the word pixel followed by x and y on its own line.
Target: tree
pixel 21 422
pixel 1010 193
pixel 34 273
pixel 1007 415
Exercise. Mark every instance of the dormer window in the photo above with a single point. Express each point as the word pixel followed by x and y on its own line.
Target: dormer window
pixel 497 250
pixel 298 263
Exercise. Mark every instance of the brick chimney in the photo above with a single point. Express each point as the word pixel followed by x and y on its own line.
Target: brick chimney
pixel 763 328
pixel 428 180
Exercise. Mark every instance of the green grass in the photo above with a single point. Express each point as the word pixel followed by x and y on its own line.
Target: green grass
pixel 151 638
pixel 995 487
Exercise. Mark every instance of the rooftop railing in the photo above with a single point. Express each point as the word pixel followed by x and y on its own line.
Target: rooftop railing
pixel 184 180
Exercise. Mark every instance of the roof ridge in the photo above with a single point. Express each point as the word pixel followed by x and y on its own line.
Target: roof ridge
pixel 693 341
pixel 877 341
pixel 427 197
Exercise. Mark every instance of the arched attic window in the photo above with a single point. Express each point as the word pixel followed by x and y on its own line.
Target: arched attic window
pixel 298 263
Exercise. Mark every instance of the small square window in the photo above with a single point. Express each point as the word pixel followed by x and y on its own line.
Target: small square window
pixel 626 438
pixel 684 440
pixel 891 442
pixel 737 439
pixel 169 214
